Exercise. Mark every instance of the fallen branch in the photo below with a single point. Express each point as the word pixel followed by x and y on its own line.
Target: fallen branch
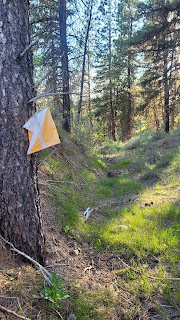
pixel 46 94
pixel 175 315
pixel 63 181
pixel 88 269
pixel 28 47
pixel 172 279
pixel 151 277
pixel 44 272
pixel 12 312
pixel 14 298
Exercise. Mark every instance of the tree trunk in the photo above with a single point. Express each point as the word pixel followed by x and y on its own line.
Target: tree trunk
pixel 166 96
pixel 64 62
pixel 89 89
pixel 84 61
pixel 165 75
pixel 20 221
pixel 112 113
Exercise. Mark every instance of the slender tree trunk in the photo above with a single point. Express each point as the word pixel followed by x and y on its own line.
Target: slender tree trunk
pixel 112 114
pixel 165 76
pixel 53 78
pixel 166 96
pixel 64 62
pixel 20 221
pixel 84 62
pixel 89 89
pixel 129 111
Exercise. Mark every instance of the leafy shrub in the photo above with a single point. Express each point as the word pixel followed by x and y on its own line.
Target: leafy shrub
pixel 55 293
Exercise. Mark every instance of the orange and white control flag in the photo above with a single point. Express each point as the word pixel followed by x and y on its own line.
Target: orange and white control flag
pixel 42 131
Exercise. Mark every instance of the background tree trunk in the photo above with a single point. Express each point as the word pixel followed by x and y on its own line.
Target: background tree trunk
pixel 64 62
pixel 84 62
pixel 20 220
pixel 112 113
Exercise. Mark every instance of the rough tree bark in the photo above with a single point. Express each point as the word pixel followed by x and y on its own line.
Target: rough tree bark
pixel 20 221
pixel 64 62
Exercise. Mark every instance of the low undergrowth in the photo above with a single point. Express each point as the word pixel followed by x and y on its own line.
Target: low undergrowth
pixel 140 233
pixel 135 219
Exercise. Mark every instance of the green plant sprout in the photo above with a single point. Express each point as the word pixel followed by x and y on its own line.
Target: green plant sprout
pixel 55 293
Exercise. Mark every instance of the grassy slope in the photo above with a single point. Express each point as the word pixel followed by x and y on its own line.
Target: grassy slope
pixel 136 215
pixel 135 222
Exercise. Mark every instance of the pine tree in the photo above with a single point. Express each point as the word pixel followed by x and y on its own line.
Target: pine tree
pixel 20 220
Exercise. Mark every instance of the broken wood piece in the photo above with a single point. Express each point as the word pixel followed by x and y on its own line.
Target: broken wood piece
pixel 13 313
pixel 175 315
pixel 88 268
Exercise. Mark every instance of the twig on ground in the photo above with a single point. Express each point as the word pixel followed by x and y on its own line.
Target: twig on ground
pixel 13 313
pixel 122 296
pixel 175 315
pixel 63 181
pixel 172 279
pixel 14 298
pixel 88 269
pixel 58 314
pixel 151 277
pixel 44 272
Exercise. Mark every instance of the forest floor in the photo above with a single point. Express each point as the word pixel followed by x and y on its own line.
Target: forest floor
pixel 123 261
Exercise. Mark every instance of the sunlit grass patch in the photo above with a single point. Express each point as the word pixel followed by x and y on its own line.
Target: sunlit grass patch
pixel 97 163
pixel 121 164
pixel 115 187
pixel 93 304
pixel 150 231
pixel 67 206
pixel 88 175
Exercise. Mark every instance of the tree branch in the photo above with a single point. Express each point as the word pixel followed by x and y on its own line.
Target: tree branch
pixel 45 75
pixel 46 94
pixel 44 272
pixel 28 47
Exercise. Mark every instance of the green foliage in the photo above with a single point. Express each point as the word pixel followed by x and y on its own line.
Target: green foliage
pixel 55 293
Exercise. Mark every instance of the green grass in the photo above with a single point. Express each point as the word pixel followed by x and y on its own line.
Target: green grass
pixel 136 233
pixel 121 164
pixel 150 231
pixel 115 187
pixel 93 304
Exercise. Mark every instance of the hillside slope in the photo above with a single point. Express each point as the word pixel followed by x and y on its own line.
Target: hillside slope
pixel 118 263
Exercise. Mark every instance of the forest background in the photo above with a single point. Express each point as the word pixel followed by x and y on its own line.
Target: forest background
pixel 114 65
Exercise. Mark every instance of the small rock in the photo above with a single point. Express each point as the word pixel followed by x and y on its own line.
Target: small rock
pixel 74 245
pixel 114 173
pixel 123 227
pixel 120 227
pixel 74 252
pixel 71 317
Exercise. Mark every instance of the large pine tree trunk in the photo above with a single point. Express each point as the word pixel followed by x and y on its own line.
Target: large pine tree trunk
pixel 20 220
